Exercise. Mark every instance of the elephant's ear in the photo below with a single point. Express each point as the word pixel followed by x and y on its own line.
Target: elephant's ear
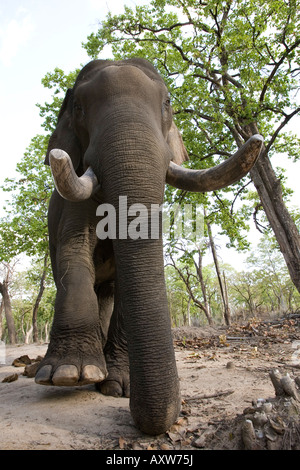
pixel 64 137
pixel 175 142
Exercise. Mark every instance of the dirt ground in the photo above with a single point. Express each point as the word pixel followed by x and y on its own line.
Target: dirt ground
pixel 221 372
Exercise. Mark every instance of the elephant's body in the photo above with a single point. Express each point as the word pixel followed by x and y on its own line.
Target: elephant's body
pixel 111 324
pixel 119 283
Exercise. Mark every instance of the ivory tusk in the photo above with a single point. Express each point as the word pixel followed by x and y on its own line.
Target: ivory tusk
pixel 220 176
pixel 68 184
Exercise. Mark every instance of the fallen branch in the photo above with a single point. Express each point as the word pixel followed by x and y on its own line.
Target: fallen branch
pixel 214 395
pixel 241 338
pixel 290 366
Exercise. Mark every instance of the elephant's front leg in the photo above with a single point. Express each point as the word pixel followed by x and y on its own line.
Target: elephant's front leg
pixel 116 354
pixel 75 353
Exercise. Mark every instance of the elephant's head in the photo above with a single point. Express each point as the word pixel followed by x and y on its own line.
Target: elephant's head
pixel 104 85
pixel 115 132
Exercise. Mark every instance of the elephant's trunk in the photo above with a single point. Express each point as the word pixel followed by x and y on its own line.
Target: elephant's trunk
pixel 154 383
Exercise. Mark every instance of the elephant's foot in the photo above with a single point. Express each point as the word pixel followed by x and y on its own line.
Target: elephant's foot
pixel 72 361
pixel 117 383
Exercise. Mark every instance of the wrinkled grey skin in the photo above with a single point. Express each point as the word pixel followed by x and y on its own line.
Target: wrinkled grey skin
pixel 111 300
pixel 115 137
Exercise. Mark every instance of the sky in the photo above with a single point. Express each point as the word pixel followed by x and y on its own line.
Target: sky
pixel 35 37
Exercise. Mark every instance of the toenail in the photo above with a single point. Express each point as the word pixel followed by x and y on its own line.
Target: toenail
pixel 65 375
pixel 92 374
pixel 43 375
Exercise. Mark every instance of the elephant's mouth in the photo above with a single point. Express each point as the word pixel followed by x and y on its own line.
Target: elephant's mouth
pixel 75 188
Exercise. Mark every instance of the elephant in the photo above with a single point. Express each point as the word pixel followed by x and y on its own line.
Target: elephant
pixel 115 136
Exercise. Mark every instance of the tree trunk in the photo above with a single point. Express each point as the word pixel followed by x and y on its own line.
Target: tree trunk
pixel 191 294
pixel 226 292
pixel 8 312
pixel 46 332
pixel 270 193
pixel 203 288
pixel 27 335
pixel 223 294
pixel 1 312
pixel 189 311
pixel 38 300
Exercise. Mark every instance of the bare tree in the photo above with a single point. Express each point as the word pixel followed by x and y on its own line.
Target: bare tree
pixel 39 297
pixel 188 278
pixel 222 283
pixel 4 291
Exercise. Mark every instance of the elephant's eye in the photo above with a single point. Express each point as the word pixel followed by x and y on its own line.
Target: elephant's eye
pixel 77 107
pixel 78 110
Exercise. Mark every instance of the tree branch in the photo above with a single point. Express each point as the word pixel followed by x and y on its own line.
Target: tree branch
pixel 276 67
pixel 188 287
pixel 163 41
pixel 237 195
pixel 284 123
pixel 193 111
pixel 155 31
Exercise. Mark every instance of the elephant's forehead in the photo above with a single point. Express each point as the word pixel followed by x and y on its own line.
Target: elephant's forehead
pixel 121 74
pixel 126 74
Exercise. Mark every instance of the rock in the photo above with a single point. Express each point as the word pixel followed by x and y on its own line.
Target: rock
pixel 259 419
pixel 230 365
pixel 289 387
pixel 21 361
pixel 31 369
pixel 267 407
pixel 277 424
pixel 10 378
pixel 248 435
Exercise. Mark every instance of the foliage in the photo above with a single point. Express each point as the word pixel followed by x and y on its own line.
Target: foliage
pixel 227 65
pixel 24 290
pixel 24 228
pixel 264 290
pixel 59 82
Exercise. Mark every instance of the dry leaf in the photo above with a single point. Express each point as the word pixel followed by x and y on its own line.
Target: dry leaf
pixel 165 447
pixel 122 443
pixel 136 446
pixel 174 436
pixel 151 447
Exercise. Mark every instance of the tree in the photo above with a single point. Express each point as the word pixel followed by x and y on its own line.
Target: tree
pixel 24 287
pixel 189 278
pixel 24 228
pixel 246 292
pixel 232 70
pixel 4 291
pixel 178 298
pixel 59 82
pixel 265 288
pixel 275 283
pixel 41 281
pixel 222 283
